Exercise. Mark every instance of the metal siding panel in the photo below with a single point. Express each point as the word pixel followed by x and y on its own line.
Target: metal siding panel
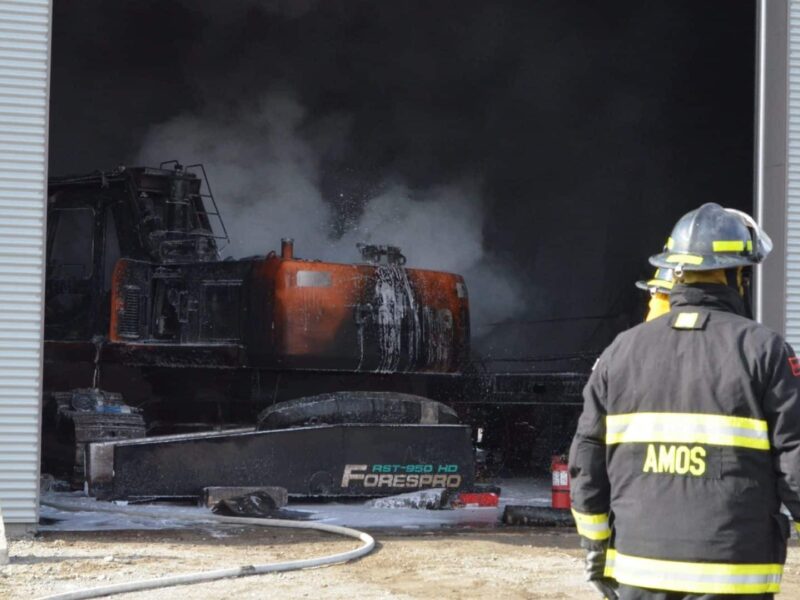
pixel 792 310
pixel 24 92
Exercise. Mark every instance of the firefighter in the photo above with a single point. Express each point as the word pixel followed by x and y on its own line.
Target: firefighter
pixel 690 434
pixel 659 287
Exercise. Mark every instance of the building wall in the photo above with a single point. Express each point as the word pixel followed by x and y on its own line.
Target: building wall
pixel 24 94
pixel 791 205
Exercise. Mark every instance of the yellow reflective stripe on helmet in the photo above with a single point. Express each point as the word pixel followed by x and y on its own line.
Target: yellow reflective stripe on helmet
pixel 594 527
pixel 688 259
pixel 670 243
pixel 694 577
pixel 728 246
pixel 797 526
pixel 687 428
pixel 660 283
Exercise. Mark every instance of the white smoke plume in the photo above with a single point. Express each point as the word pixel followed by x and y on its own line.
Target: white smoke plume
pixel 264 167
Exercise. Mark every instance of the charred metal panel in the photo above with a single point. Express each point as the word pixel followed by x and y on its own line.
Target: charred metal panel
pixel 211 356
pixel 222 311
pixel 292 314
pixel 194 304
pixel 367 318
pixel 172 219
pixel 340 460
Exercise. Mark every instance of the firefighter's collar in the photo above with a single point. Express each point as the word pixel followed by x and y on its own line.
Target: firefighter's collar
pixel 712 296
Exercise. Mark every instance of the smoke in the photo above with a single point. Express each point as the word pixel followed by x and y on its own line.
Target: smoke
pixel 266 166
pixel 541 149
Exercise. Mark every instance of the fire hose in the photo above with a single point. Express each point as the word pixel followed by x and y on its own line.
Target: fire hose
pixel 368 543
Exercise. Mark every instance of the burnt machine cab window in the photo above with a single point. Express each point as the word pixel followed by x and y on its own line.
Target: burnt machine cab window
pixel 83 247
pixel 70 243
pixel 70 270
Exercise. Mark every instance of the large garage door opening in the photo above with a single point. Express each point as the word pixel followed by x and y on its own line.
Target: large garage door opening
pixel 540 151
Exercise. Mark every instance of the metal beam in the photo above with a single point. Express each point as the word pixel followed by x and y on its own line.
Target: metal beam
pixel 770 158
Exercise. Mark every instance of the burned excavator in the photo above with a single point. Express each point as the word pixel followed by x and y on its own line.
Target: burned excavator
pixel 151 335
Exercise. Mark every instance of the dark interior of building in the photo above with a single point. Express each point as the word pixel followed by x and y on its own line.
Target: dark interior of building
pixel 550 145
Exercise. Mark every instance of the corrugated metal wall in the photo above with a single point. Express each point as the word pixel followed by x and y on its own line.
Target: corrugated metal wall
pixel 792 312
pixel 24 93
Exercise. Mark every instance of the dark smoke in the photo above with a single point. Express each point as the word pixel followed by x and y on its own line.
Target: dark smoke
pixel 564 138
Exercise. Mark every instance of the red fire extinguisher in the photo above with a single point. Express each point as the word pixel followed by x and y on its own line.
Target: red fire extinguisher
pixel 560 470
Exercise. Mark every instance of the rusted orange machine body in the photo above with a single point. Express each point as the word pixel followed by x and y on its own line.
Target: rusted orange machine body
pixel 283 312
pixel 363 317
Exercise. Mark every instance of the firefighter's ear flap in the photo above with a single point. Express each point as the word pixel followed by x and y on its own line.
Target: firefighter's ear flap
pixel 689 320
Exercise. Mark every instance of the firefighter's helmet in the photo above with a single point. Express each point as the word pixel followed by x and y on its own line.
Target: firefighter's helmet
pixel 712 237
pixel 661 281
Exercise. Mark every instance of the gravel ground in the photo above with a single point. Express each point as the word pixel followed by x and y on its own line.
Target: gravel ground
pixel 498 563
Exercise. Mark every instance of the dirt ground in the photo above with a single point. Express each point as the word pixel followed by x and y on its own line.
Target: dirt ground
pixel 498 563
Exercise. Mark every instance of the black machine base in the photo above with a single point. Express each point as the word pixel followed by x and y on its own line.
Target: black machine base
pixel 364 460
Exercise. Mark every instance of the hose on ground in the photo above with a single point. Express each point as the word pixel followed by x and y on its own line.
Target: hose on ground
pixel 368 543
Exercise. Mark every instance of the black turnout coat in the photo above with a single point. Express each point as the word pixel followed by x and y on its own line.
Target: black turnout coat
pixel 688 443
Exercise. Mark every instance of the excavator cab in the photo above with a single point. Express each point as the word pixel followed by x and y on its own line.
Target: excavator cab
pixel 144 214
